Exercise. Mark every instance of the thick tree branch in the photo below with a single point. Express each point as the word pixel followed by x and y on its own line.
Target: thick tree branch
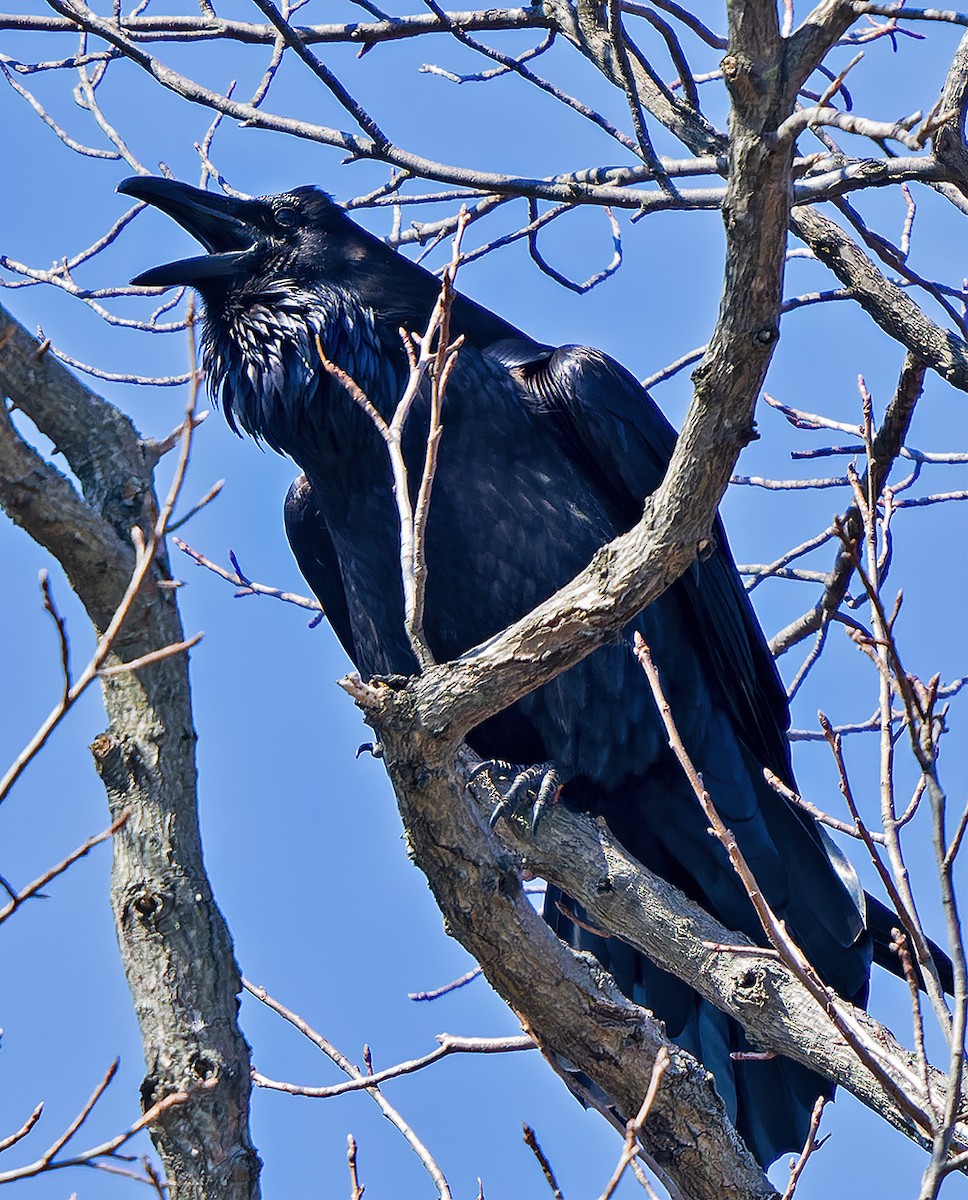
pixel 46 504
pixel 893 310
pixel 177 27
pixel 97 439
pixel 421 724
pixel 169 927
pixel 583 858
pixel 950 147
pixel 565 1000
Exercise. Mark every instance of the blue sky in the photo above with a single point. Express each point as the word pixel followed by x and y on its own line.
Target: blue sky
pixel 302 840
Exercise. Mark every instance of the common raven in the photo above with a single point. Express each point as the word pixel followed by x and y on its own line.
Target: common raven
pixel 547 454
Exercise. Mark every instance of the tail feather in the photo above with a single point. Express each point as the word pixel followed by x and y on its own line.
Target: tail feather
pixel 881 922
pixel 770 1101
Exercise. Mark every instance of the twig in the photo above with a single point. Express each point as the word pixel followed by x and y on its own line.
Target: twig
pixel 516 65
pixel 447 988
pixel 531 1141
pixel 593 280
pixel 788 485
pixel 61 626
pixel 49 1162
pixel 901 11
pixel 818 814
pixel 884 449
pixel 65 137
pixel 685 16
pixel 356 1190
pixel 197 507
pixel 368 1083
pixel 634 1127
pixel 870 725
pixel 153 656
pixel 790 953
pixel 892 677
pixel 621 46
pixel 449 1044
pixel 42 880
pixel 246 586
pixel 13 1138
pixel 901 946
pixel 322 72
pixel 810 1146
pixel 811 660
pixel 156 1181
pixel 435 355
pixel 811 118
pixel 674 368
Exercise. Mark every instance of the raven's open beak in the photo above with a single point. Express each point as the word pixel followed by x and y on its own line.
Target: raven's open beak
pixel 223 224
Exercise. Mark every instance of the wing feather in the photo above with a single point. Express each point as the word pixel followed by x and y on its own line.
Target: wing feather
pixel 315 555
pixel 603 417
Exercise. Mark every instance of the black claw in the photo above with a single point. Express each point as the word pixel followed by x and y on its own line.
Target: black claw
pixel 541 778
pixel 500 809
pixel 548 793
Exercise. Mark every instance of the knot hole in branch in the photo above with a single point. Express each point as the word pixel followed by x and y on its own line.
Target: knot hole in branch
pixel 751 987
pixel 203 1067
pixel 148 906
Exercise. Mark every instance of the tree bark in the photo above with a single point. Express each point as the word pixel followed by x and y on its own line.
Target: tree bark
pixel 175 946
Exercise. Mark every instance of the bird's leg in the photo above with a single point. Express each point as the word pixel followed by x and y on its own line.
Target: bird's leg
pixel 540 781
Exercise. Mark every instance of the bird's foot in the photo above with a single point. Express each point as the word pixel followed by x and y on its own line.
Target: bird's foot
pixel 395 682
pixel 539 785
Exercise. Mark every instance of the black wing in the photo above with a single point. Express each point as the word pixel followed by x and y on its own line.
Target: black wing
pixel 604 418
pixel 607 420
pixel 315 556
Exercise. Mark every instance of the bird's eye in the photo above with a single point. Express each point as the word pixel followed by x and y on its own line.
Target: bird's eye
pixel 286 217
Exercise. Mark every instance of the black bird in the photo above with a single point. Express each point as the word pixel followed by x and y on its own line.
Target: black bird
pixel 547 454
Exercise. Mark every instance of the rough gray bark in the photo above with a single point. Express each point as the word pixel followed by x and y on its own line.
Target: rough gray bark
pixel 565 1000
pixel 583 858
pixel 893 310
pixel 175 946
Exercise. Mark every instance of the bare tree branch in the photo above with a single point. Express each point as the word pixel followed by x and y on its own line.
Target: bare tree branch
pixel 885 449
pixel 163 902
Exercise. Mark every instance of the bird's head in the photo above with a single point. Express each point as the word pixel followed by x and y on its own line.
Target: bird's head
pixel 295 237
pixel 280 273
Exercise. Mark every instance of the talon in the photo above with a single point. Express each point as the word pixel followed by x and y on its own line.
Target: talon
pixel 522 783
pixel 541 778
pixel 548 793
pixel 500 809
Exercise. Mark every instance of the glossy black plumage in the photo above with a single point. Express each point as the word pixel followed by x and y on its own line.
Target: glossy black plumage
pixel 546 455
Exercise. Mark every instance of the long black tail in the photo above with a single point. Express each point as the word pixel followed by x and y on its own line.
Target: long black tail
pixel 881 922
pixel 769 1101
